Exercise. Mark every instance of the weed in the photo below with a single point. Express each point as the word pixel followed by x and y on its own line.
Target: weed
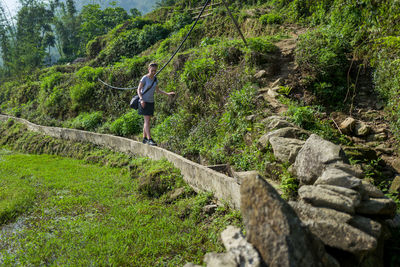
pixel 128 124
pixel 87 121
pixel 271 18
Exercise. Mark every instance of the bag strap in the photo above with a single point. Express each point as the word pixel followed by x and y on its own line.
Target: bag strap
pixel 148 88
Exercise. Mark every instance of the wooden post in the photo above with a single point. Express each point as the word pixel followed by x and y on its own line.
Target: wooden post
pixel 235 22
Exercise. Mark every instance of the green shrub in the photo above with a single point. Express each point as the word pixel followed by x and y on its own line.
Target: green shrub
pixel 307 117
pixel 261 45
pixel 82 93
pixel 387 82
pixel 48 82
pixel 271 18
pixel 128 124
pixel 179 20
pixel 302 116
pixel 89 74
pixel 322 57
pixel 197 71
pixel 88 121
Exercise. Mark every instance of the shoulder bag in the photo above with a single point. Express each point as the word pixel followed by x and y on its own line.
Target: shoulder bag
pixel 135 99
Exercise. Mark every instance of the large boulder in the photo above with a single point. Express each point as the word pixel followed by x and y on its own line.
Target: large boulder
pixel 314 157
pixel 354 234
pixel 334 197
pixel 274 229
pixel 285 149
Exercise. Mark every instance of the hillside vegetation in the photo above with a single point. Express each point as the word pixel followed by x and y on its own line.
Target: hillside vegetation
pixel 212 74
pixel 343 59
pixel 214 117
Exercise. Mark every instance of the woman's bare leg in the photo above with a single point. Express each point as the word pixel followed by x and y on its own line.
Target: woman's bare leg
pixel 146 127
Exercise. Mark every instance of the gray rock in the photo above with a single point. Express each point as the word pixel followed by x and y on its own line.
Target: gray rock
pixel 396 164
pixel 190 264
pixel 395 186
pixel 176 193
pixel 274 229
pixel 326 197
pixel 236 244
pixel 347 126
pixel 260 74
pixel 378 206
pixel 366 225
pixel 334 176
pixel 362 129
pixel 210 209
pixel 350 193
pixel 276 122
pixel 395 222
pixel 272 93
pixel 314 157
pixel 220 260
pixel 350 169
pixel 285 149
pixel 370 190
pixel 317 217
pixel 287 132
pixel 308 212
pixel 342 236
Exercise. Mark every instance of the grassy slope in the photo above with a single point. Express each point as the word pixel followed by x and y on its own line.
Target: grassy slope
pixel 73 212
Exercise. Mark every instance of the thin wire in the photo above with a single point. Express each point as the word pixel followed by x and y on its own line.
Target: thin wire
pixel 173 55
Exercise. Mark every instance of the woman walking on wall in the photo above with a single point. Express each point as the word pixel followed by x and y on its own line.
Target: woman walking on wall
pixel 146 106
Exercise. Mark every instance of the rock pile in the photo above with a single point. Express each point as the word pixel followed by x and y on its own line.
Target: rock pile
pixel 338 220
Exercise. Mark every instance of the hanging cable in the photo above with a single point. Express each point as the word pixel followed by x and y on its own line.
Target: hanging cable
pixel 173 55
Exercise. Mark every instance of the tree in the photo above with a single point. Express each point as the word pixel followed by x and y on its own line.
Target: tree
pixel 33 24
pixel 6 40
pixel 96 22
pixel 67 24
pixel 135 12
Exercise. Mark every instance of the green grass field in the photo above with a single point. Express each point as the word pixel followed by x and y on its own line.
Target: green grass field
pixel 70 213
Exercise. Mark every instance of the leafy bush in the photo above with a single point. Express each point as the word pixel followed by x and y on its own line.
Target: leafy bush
pixel 387 81
pixel 261 45
pixel 307 117
pixel 128 124
pixel 322 56
pixel 150 34
pixel 179 20
pixel 48 82
pixel 81 94
pixel 303 116
pixel 89 74
pixel 197 71
pixel 88 121
pixel 271 18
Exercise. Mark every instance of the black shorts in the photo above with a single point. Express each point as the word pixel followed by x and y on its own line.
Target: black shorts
pixel 147 110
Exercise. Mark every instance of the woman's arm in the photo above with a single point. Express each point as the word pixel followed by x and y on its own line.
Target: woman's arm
pixel 139 90
pixel 163 92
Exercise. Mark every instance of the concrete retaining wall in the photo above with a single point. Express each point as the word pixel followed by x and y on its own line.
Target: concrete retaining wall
pixel 199 177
